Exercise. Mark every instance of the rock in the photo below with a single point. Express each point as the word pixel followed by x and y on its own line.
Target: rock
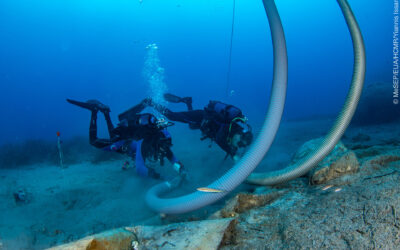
pixel 311 145
pixel 376 105
pixel 208 234
pixel 363 215
pixel 120 239
pixel 22 196
pixel 243 202
pixel 338 163
pixel 346 164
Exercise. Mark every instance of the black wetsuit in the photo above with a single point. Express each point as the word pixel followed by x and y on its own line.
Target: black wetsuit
pixel 140 142
pixel 200 119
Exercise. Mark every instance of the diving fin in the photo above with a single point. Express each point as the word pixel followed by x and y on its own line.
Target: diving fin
pixel 92 105
pixel 176 99
pixel 172 98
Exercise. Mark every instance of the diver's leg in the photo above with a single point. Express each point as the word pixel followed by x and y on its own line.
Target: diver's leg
pixel 92 105
pixel 96 142
pixel 193 117
pixel 93 127
pixel 188 102
pixel 176 99
pixel 110 125
pixel 172 116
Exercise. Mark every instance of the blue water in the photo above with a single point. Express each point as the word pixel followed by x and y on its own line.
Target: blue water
pixel 51 50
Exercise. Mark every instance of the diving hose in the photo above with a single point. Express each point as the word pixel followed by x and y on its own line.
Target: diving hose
pixel 238 173
pixel 342 121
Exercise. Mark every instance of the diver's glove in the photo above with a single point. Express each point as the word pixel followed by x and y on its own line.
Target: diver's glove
pixel 178 167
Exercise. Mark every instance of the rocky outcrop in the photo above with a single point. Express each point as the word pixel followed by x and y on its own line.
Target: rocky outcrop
pixel 343 165
pixel 363 214
pixel 341 161
pixel 243 202
pixel 201 235
pixel 115 239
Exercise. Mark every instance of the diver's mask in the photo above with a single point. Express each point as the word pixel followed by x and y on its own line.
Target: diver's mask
pixel 242 129
pixel 242 123
pixel 150 120
pixel 163 123
pixel 146 119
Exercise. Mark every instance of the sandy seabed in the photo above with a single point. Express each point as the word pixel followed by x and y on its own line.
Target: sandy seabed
pixel 65 204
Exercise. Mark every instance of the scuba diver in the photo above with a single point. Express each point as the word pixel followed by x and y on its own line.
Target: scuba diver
pixel 223 123
pixel 142 136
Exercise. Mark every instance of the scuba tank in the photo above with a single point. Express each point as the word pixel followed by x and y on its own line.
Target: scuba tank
pixel 220 115
pixel 222 112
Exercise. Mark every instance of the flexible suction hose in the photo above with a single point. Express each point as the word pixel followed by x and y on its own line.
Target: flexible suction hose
pixel 238 173
pixel 342 121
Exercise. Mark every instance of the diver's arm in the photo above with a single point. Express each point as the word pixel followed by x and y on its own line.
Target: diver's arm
pixel 222 141
pixel 178 166
pixel 134 110
pixel 113 146
pixel 171 157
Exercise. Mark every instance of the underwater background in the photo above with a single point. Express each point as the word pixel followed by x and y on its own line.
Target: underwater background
pixel 120 52
pixel 51 50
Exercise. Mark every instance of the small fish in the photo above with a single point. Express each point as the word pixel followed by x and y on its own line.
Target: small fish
pixel 338 189
pixel 327 187
pixel 210 190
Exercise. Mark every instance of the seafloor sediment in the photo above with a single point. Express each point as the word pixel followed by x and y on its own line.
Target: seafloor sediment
pixel 351 200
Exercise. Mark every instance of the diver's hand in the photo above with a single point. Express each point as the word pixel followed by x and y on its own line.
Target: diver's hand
pixel 178 167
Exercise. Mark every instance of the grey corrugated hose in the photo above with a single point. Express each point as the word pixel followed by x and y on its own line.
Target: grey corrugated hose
pixel 332 138
pixel 238 173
